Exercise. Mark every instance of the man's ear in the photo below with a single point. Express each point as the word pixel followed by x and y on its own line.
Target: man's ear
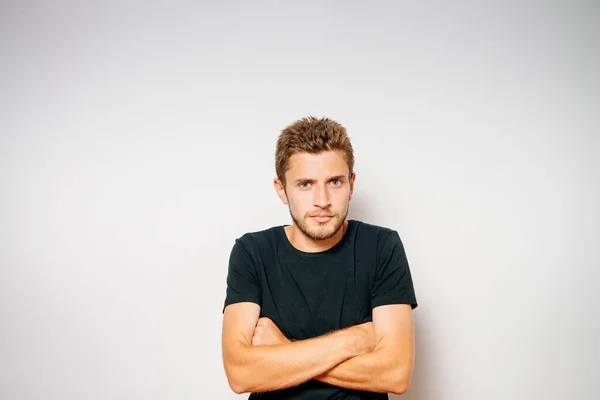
pixel 352 179
pixel 280 189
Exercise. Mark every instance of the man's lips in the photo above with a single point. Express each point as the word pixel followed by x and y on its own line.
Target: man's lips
pixel 321 217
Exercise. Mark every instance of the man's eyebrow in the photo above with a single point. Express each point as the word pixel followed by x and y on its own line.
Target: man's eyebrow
pixel 302 180
pixel 308 180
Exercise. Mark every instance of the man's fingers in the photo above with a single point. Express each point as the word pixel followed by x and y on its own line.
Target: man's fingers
pixel 264 321
pixel 256 337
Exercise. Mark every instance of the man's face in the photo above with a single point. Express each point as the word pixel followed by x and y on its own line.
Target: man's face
pixel 318 191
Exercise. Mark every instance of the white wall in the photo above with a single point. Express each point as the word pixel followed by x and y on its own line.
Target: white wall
pixel 137 143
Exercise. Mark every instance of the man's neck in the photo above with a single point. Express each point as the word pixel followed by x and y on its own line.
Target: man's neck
pixel 303 243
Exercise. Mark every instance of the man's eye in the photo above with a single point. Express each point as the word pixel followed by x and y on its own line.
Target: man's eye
pixel 304 185
pixel 336 182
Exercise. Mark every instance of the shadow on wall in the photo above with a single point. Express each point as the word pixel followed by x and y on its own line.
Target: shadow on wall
pixel 420 387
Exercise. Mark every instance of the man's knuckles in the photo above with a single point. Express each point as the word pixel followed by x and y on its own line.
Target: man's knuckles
pixel 264 321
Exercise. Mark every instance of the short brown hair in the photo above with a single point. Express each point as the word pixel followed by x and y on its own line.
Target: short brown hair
pixel 311 135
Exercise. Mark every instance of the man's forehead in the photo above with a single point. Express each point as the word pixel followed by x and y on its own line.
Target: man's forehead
pixel 325 157
pixel 317 165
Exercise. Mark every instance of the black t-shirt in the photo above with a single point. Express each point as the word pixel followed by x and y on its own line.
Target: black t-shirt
pixel 310 294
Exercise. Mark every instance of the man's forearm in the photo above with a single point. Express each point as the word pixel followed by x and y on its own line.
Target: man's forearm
pixel 377 371
pixel 273 367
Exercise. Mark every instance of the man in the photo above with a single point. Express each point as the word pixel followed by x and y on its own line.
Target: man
pixel 321 308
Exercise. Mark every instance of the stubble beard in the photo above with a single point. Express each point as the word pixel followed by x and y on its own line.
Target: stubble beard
pixel 325 230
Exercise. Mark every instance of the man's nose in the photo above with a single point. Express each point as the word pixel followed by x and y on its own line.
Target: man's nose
pixel 321 199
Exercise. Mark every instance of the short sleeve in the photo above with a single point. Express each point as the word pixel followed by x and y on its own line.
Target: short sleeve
pixel 393 281
pixel 242 281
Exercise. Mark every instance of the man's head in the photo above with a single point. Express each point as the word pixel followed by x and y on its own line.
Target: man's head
pixel 314 162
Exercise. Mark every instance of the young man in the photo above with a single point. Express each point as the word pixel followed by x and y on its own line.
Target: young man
pixel 321 308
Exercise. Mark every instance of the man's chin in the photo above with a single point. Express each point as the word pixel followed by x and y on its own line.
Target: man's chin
pixel 324 230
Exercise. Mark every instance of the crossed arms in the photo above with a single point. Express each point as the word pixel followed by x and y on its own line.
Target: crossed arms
pixel 375 356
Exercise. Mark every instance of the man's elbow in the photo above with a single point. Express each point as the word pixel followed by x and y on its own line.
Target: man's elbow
pixel 399 387
pixel 237 363
pixel 237 388
pixel 243 379
pixel 236 381
pixel 398 382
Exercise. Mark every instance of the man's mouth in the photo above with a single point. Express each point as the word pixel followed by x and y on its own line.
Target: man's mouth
pixel 322 217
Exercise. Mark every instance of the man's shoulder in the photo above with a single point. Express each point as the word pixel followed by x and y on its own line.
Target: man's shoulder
pixel 253 239
pixel 365 229
pixel 375 236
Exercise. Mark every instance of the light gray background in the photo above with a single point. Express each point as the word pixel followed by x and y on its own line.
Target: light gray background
pixel 137 143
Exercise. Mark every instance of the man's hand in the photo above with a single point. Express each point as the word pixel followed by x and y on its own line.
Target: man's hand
pixel 267 333
pixel 366 337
